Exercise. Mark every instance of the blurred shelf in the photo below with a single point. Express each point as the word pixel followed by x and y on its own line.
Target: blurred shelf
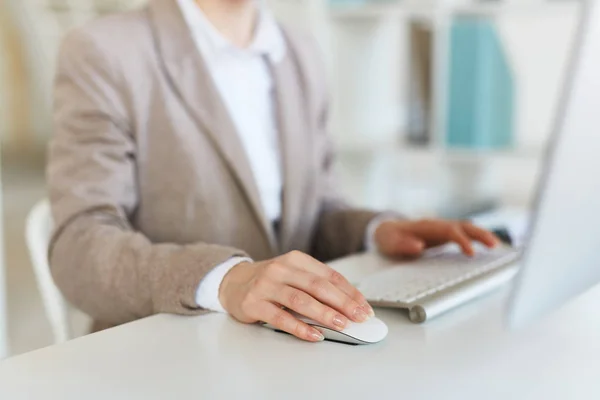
pixel 392 148
pixel 510 154
pixel 424 10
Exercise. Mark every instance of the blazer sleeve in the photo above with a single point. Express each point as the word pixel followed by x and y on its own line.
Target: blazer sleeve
pixel 99 261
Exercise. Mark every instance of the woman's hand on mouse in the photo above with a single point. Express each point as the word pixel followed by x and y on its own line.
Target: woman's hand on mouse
pixel 411 238
pixel 253 292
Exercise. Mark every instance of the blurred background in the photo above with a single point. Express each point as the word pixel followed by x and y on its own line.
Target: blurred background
pixel 440 108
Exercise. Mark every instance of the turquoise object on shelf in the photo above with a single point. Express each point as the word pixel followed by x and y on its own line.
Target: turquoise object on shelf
pixel 481 109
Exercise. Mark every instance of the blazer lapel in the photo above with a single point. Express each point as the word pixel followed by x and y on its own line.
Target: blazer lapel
pixel 190 78
pixel 295 144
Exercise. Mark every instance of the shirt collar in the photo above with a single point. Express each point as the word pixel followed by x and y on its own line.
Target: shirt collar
pixel 268 39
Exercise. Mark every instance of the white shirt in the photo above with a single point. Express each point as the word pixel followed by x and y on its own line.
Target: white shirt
pixel 241 75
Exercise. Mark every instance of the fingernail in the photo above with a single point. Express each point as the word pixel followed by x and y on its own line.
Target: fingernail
pixel 369 309
pixel 339 321
pixel 316 335
pixel 360 315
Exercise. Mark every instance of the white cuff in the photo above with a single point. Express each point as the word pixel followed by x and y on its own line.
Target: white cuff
pixel 370 245
pixel 207 295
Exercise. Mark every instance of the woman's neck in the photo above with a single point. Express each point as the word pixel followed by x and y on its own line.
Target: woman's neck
pixel 234 19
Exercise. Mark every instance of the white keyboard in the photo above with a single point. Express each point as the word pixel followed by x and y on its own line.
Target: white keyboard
pixel 440 269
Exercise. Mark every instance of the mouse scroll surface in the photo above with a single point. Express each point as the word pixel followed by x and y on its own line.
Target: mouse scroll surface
pixel 372 331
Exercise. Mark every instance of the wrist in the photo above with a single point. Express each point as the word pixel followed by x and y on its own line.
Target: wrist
pixel 232 279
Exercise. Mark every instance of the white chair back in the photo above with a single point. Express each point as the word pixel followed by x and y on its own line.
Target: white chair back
pixel 38 229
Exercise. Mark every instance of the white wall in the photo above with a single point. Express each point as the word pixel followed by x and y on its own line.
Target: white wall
pixel 539 48
pixel 369 80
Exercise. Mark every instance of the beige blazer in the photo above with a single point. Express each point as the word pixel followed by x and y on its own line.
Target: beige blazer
pixel 149 183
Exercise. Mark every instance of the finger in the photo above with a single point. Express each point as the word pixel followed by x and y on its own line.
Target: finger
pixel 458 235
pixel 306 305
pixel 328 294
pixel 480 235
pixel 307 263
pixel 284 321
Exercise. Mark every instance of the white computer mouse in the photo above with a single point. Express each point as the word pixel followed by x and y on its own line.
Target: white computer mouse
pixel 371 331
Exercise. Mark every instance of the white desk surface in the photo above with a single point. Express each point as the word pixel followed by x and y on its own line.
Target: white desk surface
pixel 465 354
